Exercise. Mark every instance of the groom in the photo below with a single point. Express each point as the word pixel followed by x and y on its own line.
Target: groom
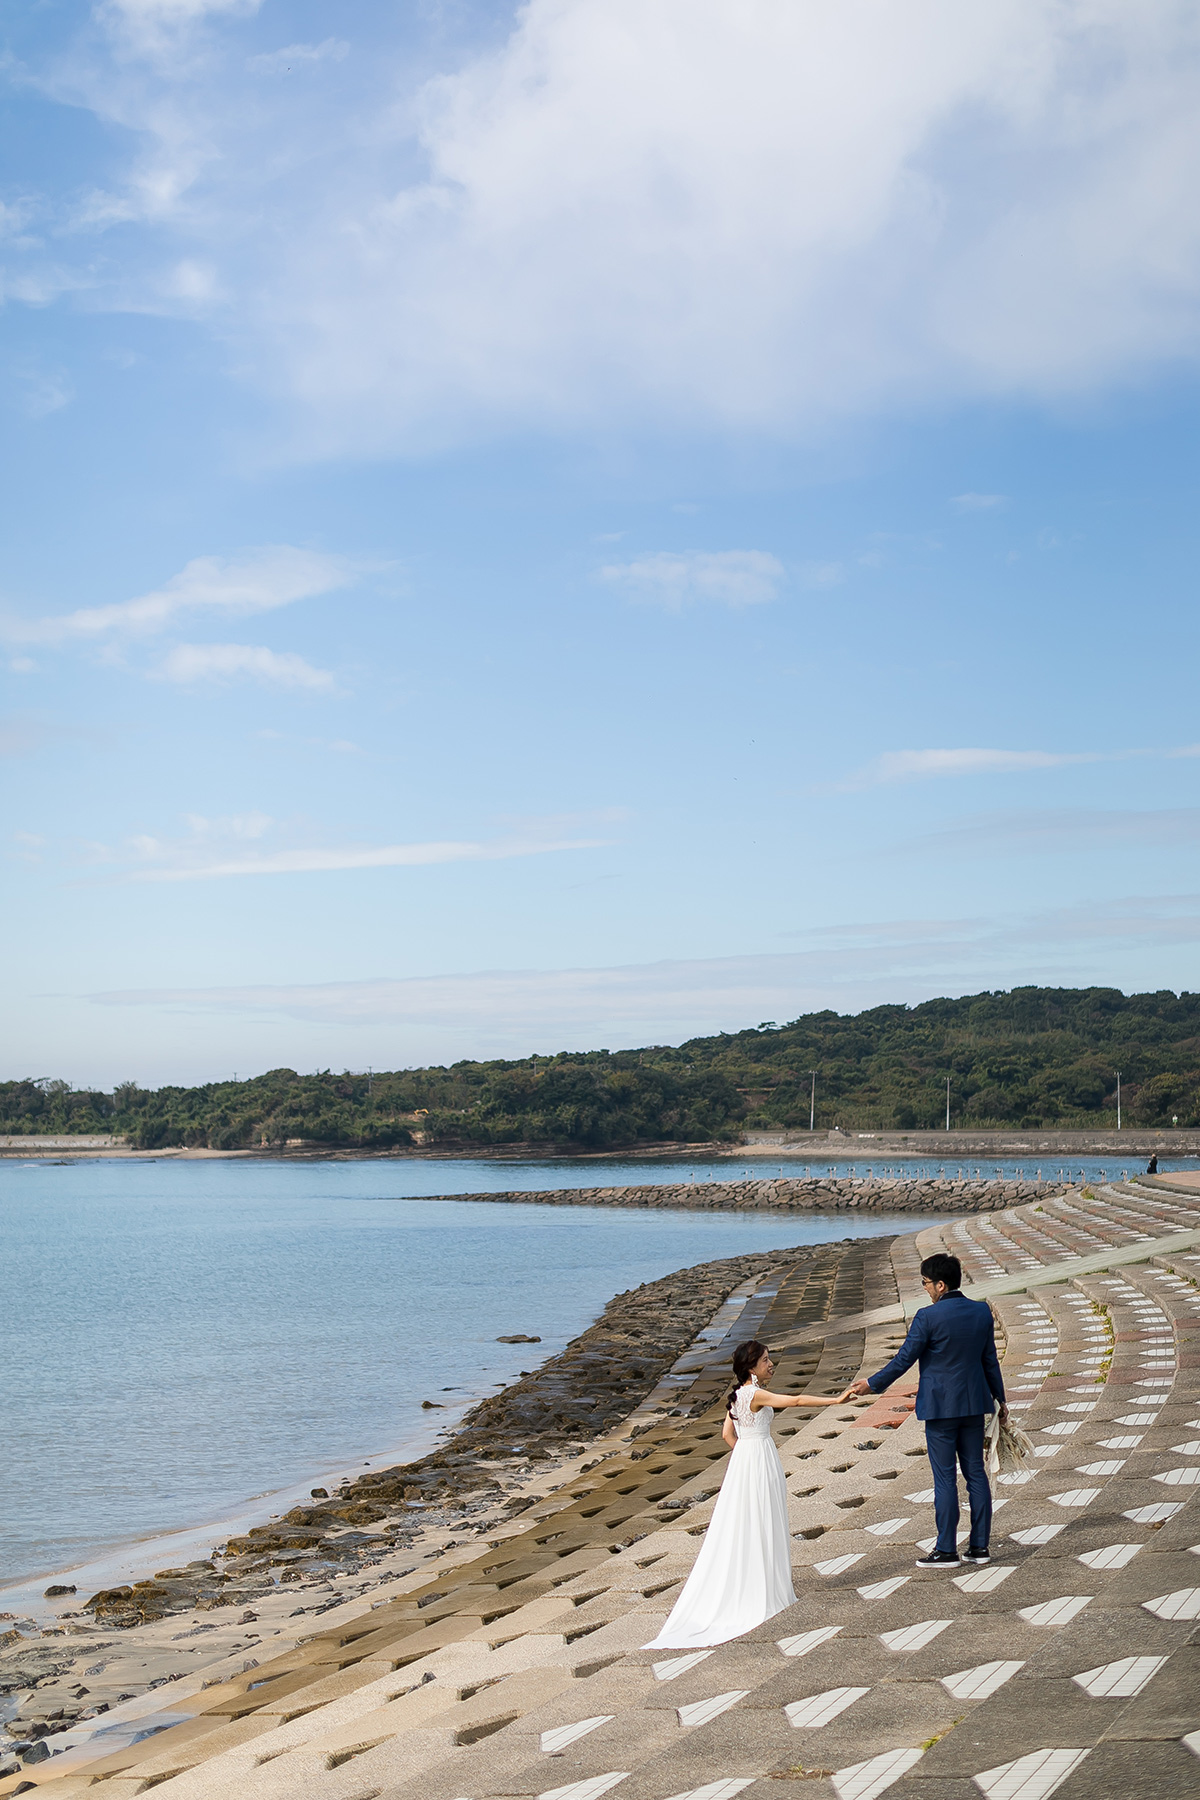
pixel 954 1341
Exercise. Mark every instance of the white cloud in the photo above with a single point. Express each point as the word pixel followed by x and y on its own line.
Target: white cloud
pixel 295 56
pixel 150 26
pixel 223 662
pixel 380 856
pixel 822 575
pixel 43 391
pixel 730 577
pixel 20 736
pixel 244 826
pixel 730 213
pixel 1067 830
pixel 978 502
pixel 176 12
pixel 215 849
pixel 513 1011
pixel 917 765
pixel 256 581
pixel 923 765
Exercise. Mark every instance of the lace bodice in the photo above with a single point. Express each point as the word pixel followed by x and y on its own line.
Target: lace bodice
pixel 748 1422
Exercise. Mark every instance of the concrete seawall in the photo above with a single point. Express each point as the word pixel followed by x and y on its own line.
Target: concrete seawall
pixel 812 1194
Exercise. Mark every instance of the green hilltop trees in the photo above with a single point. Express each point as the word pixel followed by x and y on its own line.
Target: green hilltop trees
pixel 1032 1057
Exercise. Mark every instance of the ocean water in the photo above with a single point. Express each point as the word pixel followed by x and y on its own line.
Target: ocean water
pixel 181 1336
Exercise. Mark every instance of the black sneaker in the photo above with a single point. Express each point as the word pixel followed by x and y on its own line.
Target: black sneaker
pixel 978 1557
pixel 939 1559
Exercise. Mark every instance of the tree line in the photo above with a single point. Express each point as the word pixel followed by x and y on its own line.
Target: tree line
pixel 1029 1057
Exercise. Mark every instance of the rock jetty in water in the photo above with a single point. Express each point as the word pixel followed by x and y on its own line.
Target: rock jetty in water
pixel 789 1193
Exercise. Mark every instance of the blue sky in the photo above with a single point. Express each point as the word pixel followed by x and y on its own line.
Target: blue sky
pixel 584 525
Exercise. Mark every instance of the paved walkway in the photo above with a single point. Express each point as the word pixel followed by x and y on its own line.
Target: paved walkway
pixel 1070 1665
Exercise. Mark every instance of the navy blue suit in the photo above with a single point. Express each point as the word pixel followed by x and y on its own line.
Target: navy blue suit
pixel 954 1341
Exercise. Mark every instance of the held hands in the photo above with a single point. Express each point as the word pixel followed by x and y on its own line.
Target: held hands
pixel 861 1386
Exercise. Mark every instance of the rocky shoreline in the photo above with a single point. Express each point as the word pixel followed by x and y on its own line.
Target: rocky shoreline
pixel 383 1527
pixel 837 1193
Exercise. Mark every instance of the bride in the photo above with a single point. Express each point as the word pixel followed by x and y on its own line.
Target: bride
pixel 743 1574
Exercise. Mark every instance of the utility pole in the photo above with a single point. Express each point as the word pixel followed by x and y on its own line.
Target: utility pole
pixel 947 1103
pixel 812 1101
pixel 1118 1099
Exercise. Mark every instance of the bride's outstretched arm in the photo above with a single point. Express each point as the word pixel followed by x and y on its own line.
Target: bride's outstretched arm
pixel 761 1397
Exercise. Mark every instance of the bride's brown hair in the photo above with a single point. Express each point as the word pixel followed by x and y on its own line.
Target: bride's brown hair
pixel 744 1359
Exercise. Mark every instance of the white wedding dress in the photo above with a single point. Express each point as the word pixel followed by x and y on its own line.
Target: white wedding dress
pixel 743 1574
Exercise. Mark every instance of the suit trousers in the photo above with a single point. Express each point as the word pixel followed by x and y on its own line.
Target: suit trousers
pixel 954 1443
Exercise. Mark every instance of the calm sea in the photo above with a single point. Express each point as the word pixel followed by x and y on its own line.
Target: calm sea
pixel 182 1336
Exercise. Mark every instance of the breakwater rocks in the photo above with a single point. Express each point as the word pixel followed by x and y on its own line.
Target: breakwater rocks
pixel 834 1193
pixel 596 1381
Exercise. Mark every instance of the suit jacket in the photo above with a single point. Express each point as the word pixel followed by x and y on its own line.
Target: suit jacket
pixel 954 1340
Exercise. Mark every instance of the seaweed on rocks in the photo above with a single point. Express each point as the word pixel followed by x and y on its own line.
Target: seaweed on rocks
pixel 595 1382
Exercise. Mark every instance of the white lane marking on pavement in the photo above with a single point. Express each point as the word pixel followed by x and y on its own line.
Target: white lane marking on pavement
pixel 982 1581
pixel 804 1641
pixel 1032 1777
pixel 1110 1556
pixel 1074 1497
pixel 701 1711
pixel 1179 1477
pixel 678 1665
pixel 1055 1612
pixel 914 1637
pixel 818 1709
pixel 880 1590
pixel 864 1780
pixel 585 1790
pixel 924 1498
pixel 1036 1534
pixel 1119 1680
pixel 888 1527
pixel 979 1682
pixel 718 1790
pixel 1129 1441
pixel 1108 1467
pixel 836 1564
pixel 562 1735
pixel 1191 1448
pixel 1184 1603
pixel 1154 1515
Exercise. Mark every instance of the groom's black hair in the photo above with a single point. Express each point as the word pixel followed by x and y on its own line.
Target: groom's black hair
pixel 942 1268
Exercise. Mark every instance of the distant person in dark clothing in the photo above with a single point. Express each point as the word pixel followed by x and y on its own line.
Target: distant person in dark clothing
pixel 1152 1165
pixel 954 1340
